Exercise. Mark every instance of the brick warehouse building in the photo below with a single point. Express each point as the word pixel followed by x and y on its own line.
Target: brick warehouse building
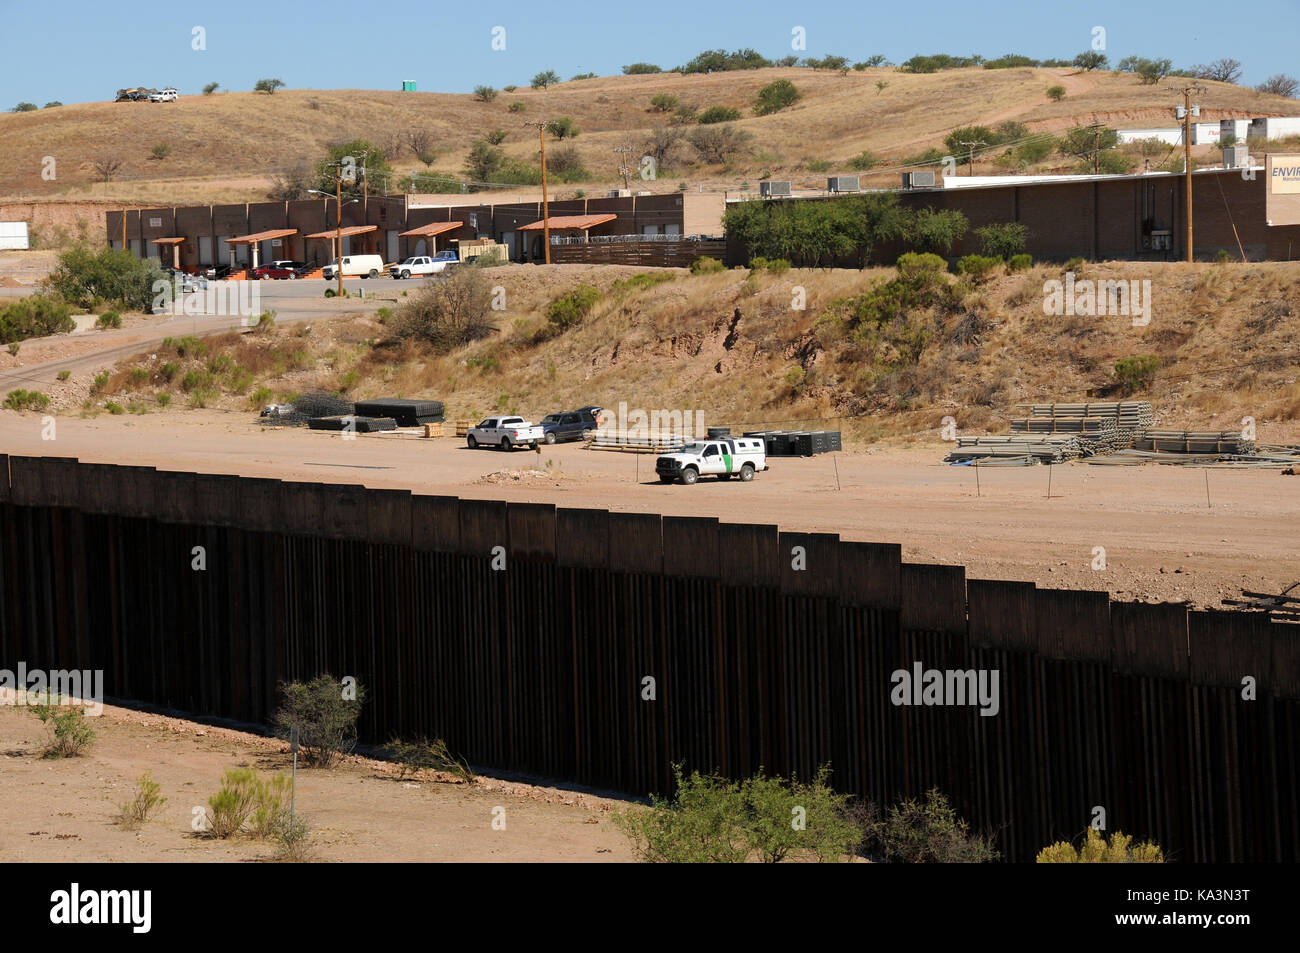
pixel 1124 217
pixel 199 236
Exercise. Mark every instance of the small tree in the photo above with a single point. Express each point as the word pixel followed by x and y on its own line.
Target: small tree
pixel 562 128
pixel 106 167
pixel 881 86
pixel 637 69
pixel 52 104
pixel 545 79
pixel 497 136
pixel 720 144
pixel 921 832
pixel 71 736
pixel 24 108
pixel 211 88
pixel 1091 60
pixel 1056 93
pixel 485 94
pixel 1280 84
pixel 715 114
pixel 775 97
pixel 268 86
pixel 664 102
pixel 324 712
pixel 1095 850
pixel 1221 71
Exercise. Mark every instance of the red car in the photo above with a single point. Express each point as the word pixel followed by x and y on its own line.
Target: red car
pixel 278 269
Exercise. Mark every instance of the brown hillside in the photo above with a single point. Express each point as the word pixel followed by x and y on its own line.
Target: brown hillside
pixel 225 146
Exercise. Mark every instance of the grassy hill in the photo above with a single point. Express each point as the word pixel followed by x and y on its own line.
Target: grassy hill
pixel 730 344
pixel 224 147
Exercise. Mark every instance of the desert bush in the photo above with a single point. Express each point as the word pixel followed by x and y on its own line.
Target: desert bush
pixel 641 282
pixel 64 374
pixel 210 88
pixel 70 734
pixel 920 832
pixel 1075 265
pixel 485 94
pixel 164 399
pixel 496 137
pixel 446 314
pixel 270 810
pixel 863 161
pixel 775 97
pixel 324 717
pixel 1020 262
pixel 434 755
pixel 704 265
pixel 267 86
pixel 265 322
pixel 1056 93
pixel 37 315
pixel 714 820
pixel 114 408
pixel 664 102
pixel 26 400
pixel 1095 850
pixel 571 307
pixel 148 799
pixel 1136 373
pixel 1002 240
pixel 517 107
pixel 978 268
pixel 196 380
pixel 638 69
pixel 84 277
pixel 161 151
pixel 294 840
pixel 229 808
pixel 109 319
pixel 716 114
pixel 99 383
pixel 562 128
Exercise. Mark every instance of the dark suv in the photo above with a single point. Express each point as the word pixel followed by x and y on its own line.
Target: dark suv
pixel 570 425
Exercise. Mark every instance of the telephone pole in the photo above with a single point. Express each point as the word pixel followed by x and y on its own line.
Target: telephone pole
pixel 546 208
pixel 1185 112
pixel 625 170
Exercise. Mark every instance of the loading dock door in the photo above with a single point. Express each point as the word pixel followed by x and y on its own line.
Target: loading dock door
pixel 392 254
pixel 205 250
pixel 223 250
pixel 511 241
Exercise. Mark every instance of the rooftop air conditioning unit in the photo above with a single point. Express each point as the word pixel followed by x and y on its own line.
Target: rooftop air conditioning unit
pixel 842 183
pixel 1236 157
pixel 918 180
pixel 642 193
pixel 770 188
pixel 619 194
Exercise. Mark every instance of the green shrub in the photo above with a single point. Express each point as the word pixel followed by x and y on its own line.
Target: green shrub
pixel 196 380
pixel 201 398
pixel 260 397
pixel 147 799
pixel 818 165
pixel 641 282
pixel 517 107
pixel 1056 93
pixel 114 408
pixel 85 277
pixel 169 370
pixel 1136 373
pixel 210 88
pixel 864 160
pixel 37 315
pixel 26 400
pixel 99 383
pixel 294 840
pixel 1002 240
pixel 71 734
pixel 1020 262
pixel 109 319
pixel 704 265
pixel 572 306
pixel 221 364
pixel 664 102
pixel 714 820
pixel 64 374
pixel 1076 265
pixel 776 96
pixel 265 322
pixel 164 399
pixel 1096 850
pixel 270 811
pixel 230 807
pixel 485 94
pixel 1224 257
pixel 716 114
pixel 187 346
pixel 325 719
pixel 920 832
pixel 424 754
pixel 978 268
pixel 138 377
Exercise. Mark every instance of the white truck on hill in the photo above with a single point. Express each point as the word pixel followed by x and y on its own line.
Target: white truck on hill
pixel 421 265
pixel 504 432
pixel 724 458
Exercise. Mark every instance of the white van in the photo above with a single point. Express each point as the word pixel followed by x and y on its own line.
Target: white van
pixel 357 266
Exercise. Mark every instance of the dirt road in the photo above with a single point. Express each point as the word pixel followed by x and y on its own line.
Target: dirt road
pixel 1161 540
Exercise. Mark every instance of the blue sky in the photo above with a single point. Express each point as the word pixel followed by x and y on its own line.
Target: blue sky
pixel 78 51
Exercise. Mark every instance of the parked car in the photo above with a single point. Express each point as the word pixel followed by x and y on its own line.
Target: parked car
pixel 722 458
pixel 504 432
pixel 424 265
pixel 571 425
pixel 215 272
pixel 356 266
pixel 187 281
pixel 596 413
pixel 167 95
pixel 278 270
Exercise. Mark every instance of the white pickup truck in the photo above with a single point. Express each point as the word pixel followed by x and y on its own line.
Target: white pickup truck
pixel 506 433
pixel 724 458
pixel 424 265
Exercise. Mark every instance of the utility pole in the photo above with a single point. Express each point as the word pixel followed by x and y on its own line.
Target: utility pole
pixel 624 169
pixel 970 156
pixel 546 208
pixel 1185 112
pixel 338 226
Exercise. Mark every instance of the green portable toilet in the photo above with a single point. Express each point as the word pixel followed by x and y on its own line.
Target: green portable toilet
pixel 408 85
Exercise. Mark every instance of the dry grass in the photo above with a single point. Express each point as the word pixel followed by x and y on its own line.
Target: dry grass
pixel 249 136
pixel 1226 352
